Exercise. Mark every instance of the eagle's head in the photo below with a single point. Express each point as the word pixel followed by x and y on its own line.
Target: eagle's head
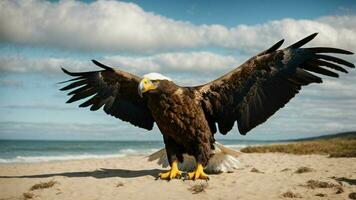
pixel 151 82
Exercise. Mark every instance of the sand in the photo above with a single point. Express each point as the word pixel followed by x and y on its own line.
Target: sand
pixel 261 176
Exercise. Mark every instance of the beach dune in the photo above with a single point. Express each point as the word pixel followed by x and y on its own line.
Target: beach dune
pixel 260 176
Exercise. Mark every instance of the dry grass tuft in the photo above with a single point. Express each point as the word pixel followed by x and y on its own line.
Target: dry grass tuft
pixel 337 147
pixel 345 154
pixel 290 194
pixel 321 195
pixel 119 184
pixel 43 185
pixel 320 184
pixel 339 189
pixel 301 170
pixel 352 195
pixel 198 188
pixel 28 195
pixel 256 170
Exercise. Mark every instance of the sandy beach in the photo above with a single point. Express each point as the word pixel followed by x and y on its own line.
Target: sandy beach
pixel 260 176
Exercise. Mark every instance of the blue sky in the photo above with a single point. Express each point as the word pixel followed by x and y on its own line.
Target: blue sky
pixel 191 41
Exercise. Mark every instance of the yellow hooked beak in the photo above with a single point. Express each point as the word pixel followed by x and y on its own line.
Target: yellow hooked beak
pixel 145 85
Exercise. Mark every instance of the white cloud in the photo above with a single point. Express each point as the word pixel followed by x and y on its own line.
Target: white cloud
pixel 120 26
pixel 181 65
pixel 101 25
pixel 16 64
pixel 198 62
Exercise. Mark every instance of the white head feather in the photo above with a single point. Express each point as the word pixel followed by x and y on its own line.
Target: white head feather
pixel 156 76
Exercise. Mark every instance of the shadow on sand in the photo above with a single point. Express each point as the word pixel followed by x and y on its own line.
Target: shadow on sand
pixel 347 180
pixel 101 173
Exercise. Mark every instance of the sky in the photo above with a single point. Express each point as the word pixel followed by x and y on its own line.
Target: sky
pixel 193 42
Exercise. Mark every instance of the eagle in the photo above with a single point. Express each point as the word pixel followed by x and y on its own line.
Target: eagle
pixel 189 117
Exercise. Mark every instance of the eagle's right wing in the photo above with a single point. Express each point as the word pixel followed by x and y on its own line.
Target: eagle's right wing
pixel 115 90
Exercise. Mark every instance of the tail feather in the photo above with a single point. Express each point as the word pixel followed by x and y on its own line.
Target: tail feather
pixel 223 160
pixel 156 155
pixel 228 150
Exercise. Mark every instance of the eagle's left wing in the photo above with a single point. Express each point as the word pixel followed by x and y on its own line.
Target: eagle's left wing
pixel 253 92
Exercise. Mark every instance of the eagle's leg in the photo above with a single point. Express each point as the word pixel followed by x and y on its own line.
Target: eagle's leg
pixel 172 149
pixel 198 173
pixel 172 173
pixel 202 156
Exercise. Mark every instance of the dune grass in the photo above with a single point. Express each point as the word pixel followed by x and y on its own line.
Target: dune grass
pixel 28 195
pixel 320 184
pixel 334 147
pixel 43 185
pixel 290 194
pixel 198 188
pixel 302 170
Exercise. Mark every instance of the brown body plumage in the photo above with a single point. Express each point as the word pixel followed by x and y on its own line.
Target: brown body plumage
pixel 188 117
pixel 182 122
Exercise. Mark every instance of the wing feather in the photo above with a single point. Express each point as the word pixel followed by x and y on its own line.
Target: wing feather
pixel 335 59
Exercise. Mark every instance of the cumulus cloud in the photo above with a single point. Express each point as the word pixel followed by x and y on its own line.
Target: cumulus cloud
pixel 120 26
pixel 101 25
pixel 191 62
pixel 179 64
pixel 15 64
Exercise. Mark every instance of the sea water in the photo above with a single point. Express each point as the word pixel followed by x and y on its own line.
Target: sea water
pixel 24 151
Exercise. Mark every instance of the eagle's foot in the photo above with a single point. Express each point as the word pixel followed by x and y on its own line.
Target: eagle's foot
pixel 171 174
pixel 198 173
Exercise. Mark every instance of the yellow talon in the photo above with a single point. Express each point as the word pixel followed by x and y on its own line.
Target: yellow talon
pixel 198 173
pixel 171 174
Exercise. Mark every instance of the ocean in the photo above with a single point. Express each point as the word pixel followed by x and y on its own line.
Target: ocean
pixel 28 151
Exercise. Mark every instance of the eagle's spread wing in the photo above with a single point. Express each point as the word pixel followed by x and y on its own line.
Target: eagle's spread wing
pixel 253 92
pixel 115 90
